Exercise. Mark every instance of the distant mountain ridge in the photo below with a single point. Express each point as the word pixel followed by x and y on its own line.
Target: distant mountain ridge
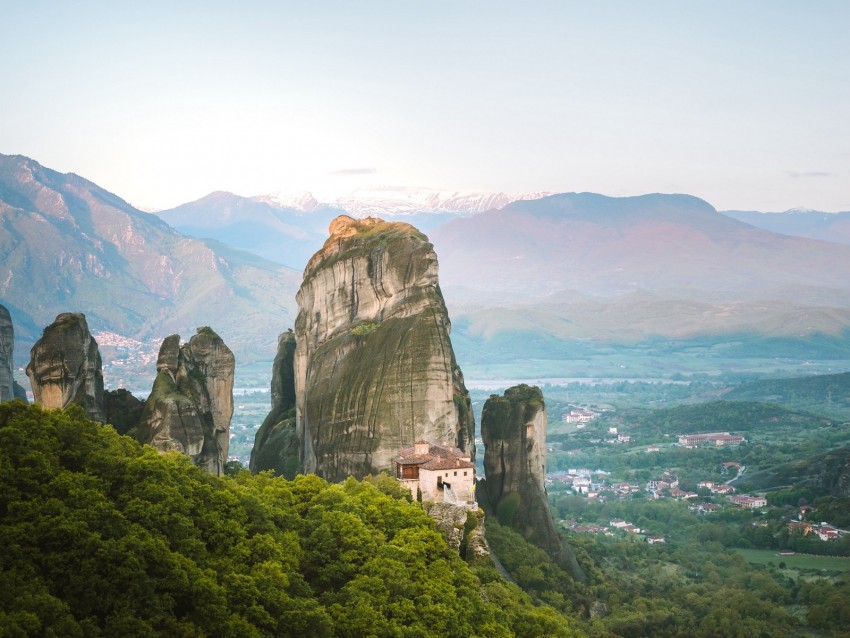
pixel 834 227
pixel 70 245
pixel 289 230
pixel 282 234
pixel 541 277
pixel 607 246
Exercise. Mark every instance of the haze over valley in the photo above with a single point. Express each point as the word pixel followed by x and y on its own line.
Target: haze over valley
pixel 567 285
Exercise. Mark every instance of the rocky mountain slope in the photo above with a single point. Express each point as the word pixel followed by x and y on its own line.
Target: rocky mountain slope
pixel 69 245
pixel 374 366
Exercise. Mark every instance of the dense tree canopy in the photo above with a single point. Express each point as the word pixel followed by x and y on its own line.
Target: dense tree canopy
pixel 102 536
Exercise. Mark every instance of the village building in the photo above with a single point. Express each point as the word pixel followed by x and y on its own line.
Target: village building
pixel 824 531
pixel 750 502
pixel 581 485
pixel 827 532
pixel 437 473
pixel 579 416
pixel 652 540
pixel 716 438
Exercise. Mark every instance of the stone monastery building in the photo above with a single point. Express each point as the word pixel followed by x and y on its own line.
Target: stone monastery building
pixel 442 474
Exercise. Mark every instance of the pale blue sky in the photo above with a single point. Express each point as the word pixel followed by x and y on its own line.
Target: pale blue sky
pixel 745 104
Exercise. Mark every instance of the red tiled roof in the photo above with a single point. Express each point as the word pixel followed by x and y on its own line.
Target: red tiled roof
pixel 439 457
pixel 446 464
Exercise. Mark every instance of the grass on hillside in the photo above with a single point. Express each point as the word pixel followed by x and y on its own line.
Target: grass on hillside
pixel 831 565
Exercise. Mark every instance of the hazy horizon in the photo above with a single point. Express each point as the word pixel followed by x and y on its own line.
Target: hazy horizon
pixel 741 104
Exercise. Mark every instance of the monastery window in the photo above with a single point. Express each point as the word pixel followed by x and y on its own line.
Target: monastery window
pixel 455 472
pixel 464 472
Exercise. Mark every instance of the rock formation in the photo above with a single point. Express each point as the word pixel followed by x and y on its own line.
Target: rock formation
pixel 191 403
pixel 19 391
pixel 276 444
pixel 513 428
pixel 374 366
pixel 65 367
pixel 123 410
pixel 7 367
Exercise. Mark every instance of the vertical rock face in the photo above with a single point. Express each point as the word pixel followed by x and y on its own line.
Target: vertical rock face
pixel 191 403
pixel 7 341
pixel 513 427
pixel 276 444
pixel 374 366
pixel 65 367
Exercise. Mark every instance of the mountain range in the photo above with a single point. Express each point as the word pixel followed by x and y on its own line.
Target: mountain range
pixel 69 245
pixel 549 278
pixel 290 231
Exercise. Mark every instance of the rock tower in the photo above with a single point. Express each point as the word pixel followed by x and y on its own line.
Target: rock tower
pixel 513 427
pixel 191 403
pixel 65 367
pixel 374 365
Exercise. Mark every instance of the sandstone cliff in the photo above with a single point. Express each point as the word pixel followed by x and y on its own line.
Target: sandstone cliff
pixel 513 428
pixel 65 367
pixel 276 444
pixel 191 403
pixel 7 342
pixel 374 366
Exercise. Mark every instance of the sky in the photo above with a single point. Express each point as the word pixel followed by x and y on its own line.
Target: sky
pixel 743 103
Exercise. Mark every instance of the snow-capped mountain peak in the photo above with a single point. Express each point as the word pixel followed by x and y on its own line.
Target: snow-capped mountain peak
pixel 400 201
pixel 304 202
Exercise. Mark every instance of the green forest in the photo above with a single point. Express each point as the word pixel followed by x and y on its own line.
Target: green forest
pixel 104 537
